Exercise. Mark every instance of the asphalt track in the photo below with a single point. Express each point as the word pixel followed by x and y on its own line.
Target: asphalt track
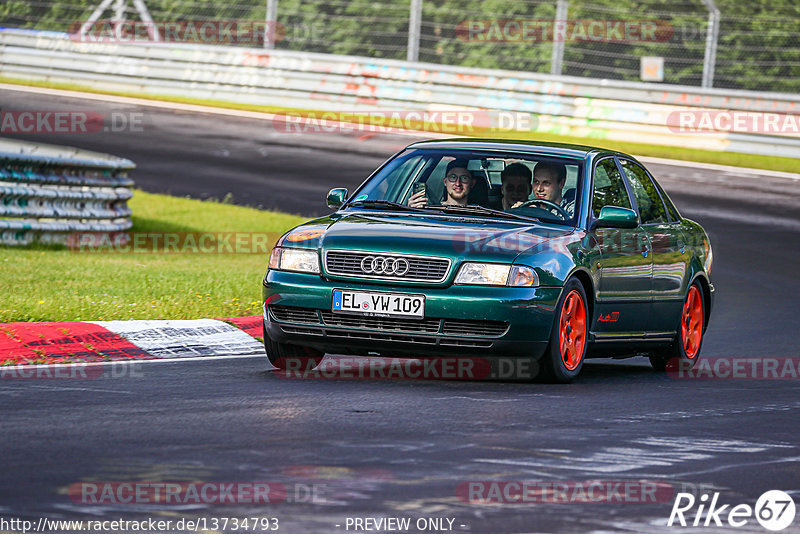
pixel 401 448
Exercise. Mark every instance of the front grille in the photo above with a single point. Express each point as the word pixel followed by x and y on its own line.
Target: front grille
pixel 456 342
pixel 305 331
pixel 293 314
pixel 458 327
pixel 385 324
pixel 363 335
pixel 420 268
pixel 384 328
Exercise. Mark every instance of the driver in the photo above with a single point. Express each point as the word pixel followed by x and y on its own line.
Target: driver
pixel 548 183
pixel 458 182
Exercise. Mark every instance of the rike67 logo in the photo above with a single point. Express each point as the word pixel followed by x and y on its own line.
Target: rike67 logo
pixel 774 510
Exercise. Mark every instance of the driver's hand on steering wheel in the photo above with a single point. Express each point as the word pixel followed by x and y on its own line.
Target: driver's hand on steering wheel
pixel 517 204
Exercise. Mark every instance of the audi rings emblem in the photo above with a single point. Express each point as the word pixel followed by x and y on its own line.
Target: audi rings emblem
pixel 385 265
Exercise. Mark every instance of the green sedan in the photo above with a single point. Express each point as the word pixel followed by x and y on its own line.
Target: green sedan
pixel 535 252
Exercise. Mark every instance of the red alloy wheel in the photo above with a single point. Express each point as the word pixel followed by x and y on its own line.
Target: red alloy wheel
pixel 572 330
pixel 692 322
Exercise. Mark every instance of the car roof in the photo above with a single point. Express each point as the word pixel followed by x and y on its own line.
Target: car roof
pixel 530 146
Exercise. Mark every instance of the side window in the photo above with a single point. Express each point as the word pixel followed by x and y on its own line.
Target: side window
pixel 651 208
pixel 609 189
pixel 671 209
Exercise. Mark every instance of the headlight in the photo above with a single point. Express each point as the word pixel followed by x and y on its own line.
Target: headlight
pixel 294 259
pixel 496 274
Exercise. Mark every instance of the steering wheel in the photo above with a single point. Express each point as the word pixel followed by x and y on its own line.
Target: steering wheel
pixel 549 205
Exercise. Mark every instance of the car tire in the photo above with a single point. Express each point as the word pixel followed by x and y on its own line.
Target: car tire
pixel 685 349
pixel 569 337
pixel 285 356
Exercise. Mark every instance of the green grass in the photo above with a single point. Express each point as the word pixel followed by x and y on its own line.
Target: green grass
pixel 639 149
pixel 49 283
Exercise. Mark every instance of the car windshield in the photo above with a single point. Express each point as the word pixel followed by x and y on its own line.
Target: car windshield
pixel 505 184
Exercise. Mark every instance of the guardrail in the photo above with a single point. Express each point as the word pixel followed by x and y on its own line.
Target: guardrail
pixel 49 192
pixel 601 109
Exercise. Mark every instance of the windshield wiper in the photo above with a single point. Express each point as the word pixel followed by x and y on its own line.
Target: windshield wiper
pixel 480 210
pixel 471 209
pixel 382 204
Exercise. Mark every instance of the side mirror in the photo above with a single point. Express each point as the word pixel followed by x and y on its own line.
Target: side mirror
pixel 616 217
pixel 336 197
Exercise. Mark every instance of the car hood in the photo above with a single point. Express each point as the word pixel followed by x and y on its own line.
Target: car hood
pixel 453 237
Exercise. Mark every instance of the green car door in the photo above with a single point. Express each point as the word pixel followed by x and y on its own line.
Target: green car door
pixel 625 264
pixel 670 253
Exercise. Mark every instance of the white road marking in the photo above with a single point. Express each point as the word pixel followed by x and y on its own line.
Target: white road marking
pixel 172 106
pixel 482 400
pixel 131 361
pixel 185 337
pixel 54 387
pixel 195 108
pixel 717 167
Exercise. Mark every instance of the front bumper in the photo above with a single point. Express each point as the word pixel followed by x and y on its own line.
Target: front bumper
pixel 459 320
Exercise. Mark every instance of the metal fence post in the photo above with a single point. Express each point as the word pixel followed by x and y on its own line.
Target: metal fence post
pixel 271 29
pixel 712 35
pixel 119 12
pixel 119 16
pixel 558 43
pixel 98 11
pixel 414 24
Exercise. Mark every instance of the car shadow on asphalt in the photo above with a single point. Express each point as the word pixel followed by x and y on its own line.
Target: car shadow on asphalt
pixel 342 368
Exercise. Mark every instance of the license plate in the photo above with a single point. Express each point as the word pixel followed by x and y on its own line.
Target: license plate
pixel 379 304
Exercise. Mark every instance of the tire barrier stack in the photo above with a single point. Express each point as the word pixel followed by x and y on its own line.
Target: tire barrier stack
pixel 48 193
pixel 653 113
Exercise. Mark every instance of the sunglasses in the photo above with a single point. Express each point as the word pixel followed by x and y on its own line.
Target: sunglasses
pixel 453 178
